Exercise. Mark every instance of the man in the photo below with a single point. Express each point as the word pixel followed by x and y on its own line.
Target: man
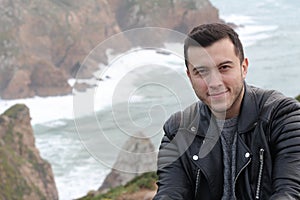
pixel 238 142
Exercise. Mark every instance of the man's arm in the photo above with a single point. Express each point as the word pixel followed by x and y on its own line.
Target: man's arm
pixel 174 182
pixel 285 141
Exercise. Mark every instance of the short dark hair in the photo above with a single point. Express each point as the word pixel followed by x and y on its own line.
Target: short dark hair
pixel 205 35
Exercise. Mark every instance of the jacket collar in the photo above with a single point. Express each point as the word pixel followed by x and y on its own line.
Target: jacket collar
pixel 249 111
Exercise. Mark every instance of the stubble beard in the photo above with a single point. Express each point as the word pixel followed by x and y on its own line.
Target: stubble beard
pixel 226 110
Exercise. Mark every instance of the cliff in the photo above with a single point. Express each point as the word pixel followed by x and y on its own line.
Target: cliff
pixel 132 175
pixel 42 44
pixel 134 159
pixel 23 173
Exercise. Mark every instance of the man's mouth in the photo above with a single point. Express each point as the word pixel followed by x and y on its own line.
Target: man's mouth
pixel 217 94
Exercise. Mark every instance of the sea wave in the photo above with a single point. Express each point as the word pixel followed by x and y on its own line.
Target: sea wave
pixel 53 109
pixel 250 30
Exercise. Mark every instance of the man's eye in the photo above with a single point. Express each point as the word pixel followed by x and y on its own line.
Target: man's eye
pixel 203 72
pixel 224 67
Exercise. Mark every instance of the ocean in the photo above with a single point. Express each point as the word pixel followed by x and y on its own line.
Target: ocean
pixel 139 99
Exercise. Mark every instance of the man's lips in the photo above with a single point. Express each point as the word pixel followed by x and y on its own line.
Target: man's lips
pixel 216 94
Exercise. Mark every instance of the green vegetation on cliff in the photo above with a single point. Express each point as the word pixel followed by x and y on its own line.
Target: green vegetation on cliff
pixel 298 97
pixel 14 111
pixel 144 181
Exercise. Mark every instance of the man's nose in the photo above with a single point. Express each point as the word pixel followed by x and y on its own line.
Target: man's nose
pixel 214 79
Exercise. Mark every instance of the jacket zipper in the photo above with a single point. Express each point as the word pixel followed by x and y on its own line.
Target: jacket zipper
pixel 239 175
pixel 197 182
pixel 261 161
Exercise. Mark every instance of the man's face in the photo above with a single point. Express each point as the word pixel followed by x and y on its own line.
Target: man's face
pixel 217 77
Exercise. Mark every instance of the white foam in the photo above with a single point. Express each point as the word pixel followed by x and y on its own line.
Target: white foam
pixel 48 109
pixel 55 123
pixel 82 185
pixel 249 29
pixel 238 19
pixel 124 64
pixel 72 166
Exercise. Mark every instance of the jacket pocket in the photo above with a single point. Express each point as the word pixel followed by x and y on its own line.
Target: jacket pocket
pixel 260 173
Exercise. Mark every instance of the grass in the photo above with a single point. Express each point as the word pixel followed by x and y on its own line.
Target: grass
pixel 298 97
pixel 13 111
pixel 144 181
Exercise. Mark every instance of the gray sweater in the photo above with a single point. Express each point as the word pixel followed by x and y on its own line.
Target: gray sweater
pixel 228 140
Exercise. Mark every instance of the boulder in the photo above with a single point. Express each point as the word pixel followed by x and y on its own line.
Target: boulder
pixel 47 80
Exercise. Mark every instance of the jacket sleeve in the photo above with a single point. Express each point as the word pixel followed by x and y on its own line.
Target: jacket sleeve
pixel 285 141
pixel 173 182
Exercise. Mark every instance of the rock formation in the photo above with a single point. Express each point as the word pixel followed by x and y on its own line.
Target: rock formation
pixel 134 157
pixel 42 45
pixel 179 15
pixel 23 173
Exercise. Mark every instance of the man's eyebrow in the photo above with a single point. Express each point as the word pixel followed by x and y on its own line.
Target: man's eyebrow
pixel 197 67
pixel 225 62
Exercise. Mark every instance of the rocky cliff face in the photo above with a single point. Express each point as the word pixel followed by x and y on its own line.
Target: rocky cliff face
pixel 42 44
pixel 23 173
pixel 45 41
pixel 179 15
pixel 135 157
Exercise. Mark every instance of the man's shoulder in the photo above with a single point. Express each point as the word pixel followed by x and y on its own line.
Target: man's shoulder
pixel 266 96
pixel 271 100
pixel 182 119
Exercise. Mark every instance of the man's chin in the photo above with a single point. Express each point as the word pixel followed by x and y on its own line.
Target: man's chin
pixel 219 111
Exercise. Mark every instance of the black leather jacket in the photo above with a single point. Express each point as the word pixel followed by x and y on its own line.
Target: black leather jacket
pixel 190 164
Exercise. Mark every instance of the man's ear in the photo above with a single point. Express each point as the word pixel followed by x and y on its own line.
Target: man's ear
pixel 244 68
pixel 188 73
